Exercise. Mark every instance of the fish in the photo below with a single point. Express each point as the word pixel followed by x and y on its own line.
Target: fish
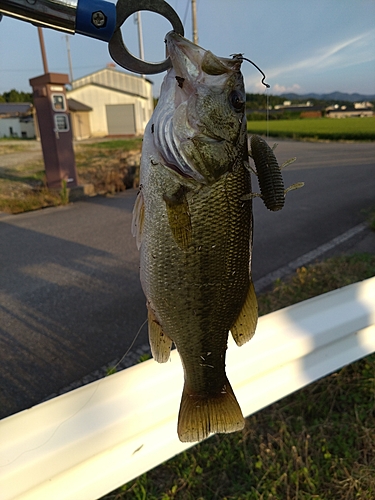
pixel 194 231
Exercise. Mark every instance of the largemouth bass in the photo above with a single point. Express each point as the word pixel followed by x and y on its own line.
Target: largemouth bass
pixel 193 223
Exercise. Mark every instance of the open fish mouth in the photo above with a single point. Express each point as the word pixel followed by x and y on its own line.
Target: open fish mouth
pixel 192 63
pixel 187 124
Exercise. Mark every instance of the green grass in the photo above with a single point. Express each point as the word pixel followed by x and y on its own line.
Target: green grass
pixel 34 200
pixel 318 443
pixel 123 144
pixel 315 280
pixel 362 129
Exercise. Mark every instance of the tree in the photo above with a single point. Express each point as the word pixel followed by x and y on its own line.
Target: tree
pixel 16 96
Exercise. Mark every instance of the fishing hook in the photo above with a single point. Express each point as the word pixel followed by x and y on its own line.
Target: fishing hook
pixel 240 56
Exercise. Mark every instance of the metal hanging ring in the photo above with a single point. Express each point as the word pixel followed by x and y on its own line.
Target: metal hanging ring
pixel 118 49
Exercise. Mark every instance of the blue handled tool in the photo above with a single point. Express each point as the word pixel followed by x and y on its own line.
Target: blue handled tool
pixel 97 19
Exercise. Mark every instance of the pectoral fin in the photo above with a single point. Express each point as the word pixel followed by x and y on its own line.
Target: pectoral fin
pixel 138 219
pixel 244 326
pixel 160 343
pixel 179 217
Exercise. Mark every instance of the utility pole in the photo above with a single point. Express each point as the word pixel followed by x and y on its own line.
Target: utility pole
pixel 43 50
pixel 194 19
pixel 69 58
pixel 140 36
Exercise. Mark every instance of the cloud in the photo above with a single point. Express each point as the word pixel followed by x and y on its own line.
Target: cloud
pixel 276 88
pixel 333 55
pixel 282 89
pixel 340 54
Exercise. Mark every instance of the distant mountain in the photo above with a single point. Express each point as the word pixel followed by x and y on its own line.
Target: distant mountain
pixel 333 96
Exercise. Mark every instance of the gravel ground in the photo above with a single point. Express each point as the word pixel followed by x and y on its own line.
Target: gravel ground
pixel 21 170
pixel 9 160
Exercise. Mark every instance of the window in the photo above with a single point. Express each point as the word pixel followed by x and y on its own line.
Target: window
pixel 58 102
pixel 61 123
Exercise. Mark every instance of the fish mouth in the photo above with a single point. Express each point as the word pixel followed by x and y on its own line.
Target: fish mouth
pixel 183 134
pixel 191 62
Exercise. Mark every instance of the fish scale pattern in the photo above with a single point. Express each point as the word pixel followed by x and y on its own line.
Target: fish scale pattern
pixel 198 291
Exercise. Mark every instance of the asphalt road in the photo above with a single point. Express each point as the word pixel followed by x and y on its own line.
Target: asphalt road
pixel 70 297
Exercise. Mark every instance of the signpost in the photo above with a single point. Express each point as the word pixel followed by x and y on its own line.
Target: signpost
pixel 55 129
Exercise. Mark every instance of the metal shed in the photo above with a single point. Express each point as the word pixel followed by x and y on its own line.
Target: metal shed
pixel 121 103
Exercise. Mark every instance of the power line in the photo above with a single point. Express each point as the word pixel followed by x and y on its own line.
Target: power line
pixel 186 12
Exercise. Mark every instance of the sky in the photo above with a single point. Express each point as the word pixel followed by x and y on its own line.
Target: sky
pixel 302 46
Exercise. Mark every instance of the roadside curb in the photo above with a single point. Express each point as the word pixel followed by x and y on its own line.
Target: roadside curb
pixel 308 257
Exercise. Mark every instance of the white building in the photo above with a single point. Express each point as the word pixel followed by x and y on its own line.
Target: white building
pixel 16 120
pixel 121 103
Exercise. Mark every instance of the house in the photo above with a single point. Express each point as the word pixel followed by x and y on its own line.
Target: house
pixel 306 110
pixel 16 120
pixel 349 111
pixel 120 103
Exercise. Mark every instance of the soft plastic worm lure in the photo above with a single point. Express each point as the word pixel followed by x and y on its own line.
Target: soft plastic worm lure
pixel 270 180
pixel 269 174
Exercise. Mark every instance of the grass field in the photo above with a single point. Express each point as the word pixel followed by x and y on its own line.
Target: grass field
pixel 359 129
pixel 318 443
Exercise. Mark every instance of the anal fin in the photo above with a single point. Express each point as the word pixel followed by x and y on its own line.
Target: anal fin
pixel 246 322
pixel 160 343
pixel 200 415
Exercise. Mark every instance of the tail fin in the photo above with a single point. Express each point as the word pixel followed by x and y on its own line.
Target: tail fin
pixel 199 415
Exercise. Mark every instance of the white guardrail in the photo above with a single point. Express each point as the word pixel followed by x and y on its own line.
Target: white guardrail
pixel 86 443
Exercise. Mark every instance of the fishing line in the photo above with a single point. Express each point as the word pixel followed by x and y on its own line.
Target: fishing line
pixel 240 56
pixel 186 12
pixel 79 409
pixel 131 345
pixel 268 113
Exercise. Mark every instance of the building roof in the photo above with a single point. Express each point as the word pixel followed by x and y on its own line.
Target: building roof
pixel 116 80
pixel 75 105
pixel 15 108
pixel 348 110
pixel 283 109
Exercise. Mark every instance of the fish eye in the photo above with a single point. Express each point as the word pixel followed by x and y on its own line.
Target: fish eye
pixel 236 100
